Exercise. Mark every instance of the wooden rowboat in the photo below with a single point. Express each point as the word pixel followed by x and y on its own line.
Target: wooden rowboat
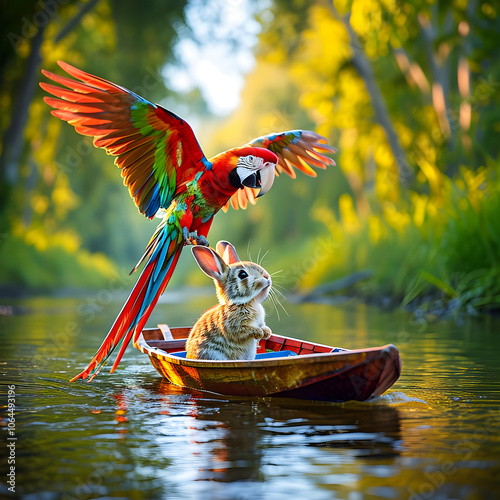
pixel 294 368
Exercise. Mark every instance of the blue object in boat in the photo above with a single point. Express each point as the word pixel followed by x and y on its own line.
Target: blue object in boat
pixel 263 355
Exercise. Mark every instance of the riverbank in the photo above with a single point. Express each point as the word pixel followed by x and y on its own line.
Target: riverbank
pixel 428 307
pixel 437 253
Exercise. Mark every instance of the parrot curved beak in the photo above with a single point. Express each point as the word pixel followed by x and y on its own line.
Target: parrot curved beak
pixel 266 179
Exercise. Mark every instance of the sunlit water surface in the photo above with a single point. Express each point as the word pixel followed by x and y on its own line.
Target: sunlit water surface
pixel 435 434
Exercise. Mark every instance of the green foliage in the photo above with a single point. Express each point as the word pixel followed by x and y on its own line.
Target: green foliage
pixel 453 253
pixel 53 266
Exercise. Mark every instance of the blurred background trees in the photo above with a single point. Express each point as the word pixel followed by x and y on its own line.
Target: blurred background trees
pixel 408 91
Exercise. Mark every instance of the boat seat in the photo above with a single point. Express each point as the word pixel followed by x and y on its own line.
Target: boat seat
pixel 263 355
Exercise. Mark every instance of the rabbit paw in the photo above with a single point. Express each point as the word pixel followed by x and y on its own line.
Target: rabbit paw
pixel 266 332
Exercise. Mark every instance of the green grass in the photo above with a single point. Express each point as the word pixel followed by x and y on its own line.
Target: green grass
pixel 452 254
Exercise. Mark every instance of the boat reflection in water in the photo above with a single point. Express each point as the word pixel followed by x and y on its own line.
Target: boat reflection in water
pixel 226 439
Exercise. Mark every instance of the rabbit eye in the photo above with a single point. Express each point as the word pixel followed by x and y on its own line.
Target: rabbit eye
pixel 242 275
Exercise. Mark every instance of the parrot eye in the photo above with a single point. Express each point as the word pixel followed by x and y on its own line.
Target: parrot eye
pixel 251 158
pixel 242 275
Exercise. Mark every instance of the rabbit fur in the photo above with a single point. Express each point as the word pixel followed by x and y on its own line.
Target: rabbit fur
pixel 231 329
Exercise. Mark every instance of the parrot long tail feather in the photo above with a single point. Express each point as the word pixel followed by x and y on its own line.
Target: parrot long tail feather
pixel 149 309
pixel 163 257
pixel 109 343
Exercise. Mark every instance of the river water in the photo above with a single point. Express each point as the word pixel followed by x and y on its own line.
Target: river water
pixel 434 434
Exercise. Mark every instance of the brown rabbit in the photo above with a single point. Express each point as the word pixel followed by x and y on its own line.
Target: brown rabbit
pixel 231 329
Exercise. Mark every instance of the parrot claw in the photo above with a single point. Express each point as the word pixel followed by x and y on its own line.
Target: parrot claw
pixel 201 240
pixel 193 238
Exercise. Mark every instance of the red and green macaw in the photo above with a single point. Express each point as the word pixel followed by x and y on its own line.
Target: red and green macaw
pixel 169 176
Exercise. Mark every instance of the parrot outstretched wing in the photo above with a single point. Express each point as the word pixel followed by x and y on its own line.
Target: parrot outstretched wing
pixel 156 150
pixel 295 149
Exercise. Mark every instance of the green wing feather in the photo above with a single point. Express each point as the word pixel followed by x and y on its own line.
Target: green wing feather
pixel 156 150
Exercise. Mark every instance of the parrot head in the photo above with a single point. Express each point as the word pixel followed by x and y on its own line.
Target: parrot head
pixel 254 168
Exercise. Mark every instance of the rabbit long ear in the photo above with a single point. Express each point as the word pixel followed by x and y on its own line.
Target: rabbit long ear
pixel 227 252
pixel 210 263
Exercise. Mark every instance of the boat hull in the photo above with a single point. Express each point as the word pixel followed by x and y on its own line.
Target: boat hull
pixel 317 374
